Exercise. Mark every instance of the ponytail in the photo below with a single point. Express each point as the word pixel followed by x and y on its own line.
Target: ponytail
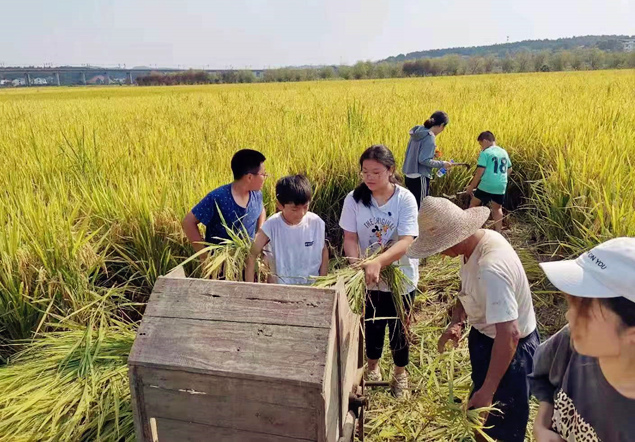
pixel 438 118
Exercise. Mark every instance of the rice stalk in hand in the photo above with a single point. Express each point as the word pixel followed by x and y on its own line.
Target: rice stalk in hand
pixel 227 259
pixel 355 283
pixel 459 422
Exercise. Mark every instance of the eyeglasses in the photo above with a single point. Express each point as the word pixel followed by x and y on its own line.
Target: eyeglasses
pixel 262 174
pixel 369 175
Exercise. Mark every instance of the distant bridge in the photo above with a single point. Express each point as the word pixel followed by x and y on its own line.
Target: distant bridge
pixel 29 72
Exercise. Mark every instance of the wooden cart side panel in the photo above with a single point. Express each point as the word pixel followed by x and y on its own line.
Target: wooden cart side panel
pixel 250 351
pixel 350 337
pixel 330 427
pixel 231 412
pixel 275 392
pixel 141 422
pixel 240 302
pixel 170 430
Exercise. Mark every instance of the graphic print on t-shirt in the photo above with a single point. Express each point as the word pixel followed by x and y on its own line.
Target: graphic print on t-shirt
pixel 380 228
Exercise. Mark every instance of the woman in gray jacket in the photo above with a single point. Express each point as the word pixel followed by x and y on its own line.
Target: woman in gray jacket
pixel 420 161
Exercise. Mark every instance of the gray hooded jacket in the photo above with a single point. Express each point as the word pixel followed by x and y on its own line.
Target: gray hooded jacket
pixel 420 154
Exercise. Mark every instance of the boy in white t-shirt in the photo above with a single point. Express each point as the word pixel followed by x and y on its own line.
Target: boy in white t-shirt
pixel 296 236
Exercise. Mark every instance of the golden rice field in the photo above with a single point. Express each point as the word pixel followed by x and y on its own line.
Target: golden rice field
pixel 96 180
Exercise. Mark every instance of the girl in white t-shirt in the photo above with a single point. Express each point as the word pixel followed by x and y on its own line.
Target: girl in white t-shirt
pixel 380 214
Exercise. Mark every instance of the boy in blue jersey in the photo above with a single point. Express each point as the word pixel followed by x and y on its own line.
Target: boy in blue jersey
pixel 238 203
pixel 490 180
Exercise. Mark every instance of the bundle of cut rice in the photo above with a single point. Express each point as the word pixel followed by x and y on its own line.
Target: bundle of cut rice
pixel 355 282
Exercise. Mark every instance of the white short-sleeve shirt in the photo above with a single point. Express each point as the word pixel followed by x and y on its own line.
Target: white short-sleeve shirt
pixel 297 249
pixel 495 288
pixel 379 226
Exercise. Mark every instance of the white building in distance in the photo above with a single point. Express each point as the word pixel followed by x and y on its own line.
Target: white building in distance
pixel 628 44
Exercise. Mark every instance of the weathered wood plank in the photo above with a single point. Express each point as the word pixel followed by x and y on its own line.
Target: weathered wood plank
pixel 349 330
pixel 141 422
pixel 241 302
pixel 330 411
pixel 179 431
pixel 231 412
pixel 277 393
pixel 251 351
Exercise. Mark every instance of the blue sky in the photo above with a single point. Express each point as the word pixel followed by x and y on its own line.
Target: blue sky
pixel 271 33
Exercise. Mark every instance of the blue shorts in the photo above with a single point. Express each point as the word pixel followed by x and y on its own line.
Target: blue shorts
pixel 512 396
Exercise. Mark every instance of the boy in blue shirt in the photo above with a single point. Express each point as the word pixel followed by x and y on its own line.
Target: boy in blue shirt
pixel 240 203
pixel 490 180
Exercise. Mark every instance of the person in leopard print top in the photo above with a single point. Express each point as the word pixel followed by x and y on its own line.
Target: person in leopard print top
pixel 584 376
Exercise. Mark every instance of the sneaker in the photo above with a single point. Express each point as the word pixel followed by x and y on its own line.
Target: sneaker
pixel 373 375
pixel 399 385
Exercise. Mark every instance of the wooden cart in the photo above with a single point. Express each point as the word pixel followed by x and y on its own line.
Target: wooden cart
pixel 225 361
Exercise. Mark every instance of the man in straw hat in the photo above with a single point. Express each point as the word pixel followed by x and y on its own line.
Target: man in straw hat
pixel 496 300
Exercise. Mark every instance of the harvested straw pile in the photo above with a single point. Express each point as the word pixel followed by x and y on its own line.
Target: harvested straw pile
pixel 440 386
pixel 69 385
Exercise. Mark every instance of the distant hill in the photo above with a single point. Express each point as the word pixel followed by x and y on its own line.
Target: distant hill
pixel 604 42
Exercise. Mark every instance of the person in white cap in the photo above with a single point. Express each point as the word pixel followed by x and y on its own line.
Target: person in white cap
pixel 496 300
pixel 584 376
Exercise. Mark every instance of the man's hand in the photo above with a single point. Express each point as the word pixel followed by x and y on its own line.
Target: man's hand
pixel 543 434
pixel 372 269
pixel 469 190
pixel 480 399
pixel 448 165
pixel 452 332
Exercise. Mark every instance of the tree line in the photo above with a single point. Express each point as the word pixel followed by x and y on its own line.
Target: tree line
pixel 453 64
pixel 604 42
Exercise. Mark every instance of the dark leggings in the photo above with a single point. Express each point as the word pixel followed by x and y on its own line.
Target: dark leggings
pixel 381 305
pixel 420 188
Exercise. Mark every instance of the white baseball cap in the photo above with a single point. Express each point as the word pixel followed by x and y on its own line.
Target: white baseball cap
pixel 606 271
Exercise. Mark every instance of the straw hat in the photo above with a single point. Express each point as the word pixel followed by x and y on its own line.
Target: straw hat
pixel 443 224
